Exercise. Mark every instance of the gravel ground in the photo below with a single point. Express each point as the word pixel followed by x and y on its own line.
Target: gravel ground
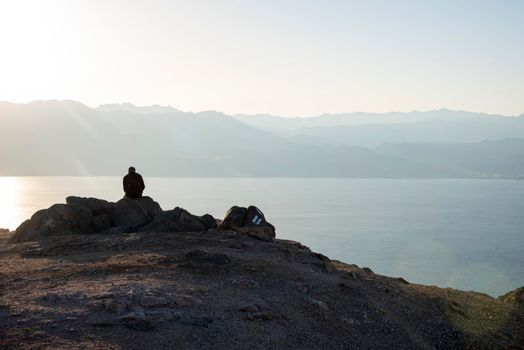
pixel 223 290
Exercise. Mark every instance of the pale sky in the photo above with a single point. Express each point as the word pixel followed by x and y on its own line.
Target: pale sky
pixel 290 58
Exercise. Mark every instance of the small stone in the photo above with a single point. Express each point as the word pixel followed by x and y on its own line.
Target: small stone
pixel 114 306
pixel 203 322
pixel 320 304
pixel 153 301
pixel 264 317
pixel 163 314
pixel 401 280
pixel 187 300
pixel 137 321
pixel 131 317
pixel 258 316
pixel 320 257
pixel 344 287
pixel 115 231
pixel 105 323
pixel 249 308
pixel 351 321
pixel 368 270
pixel 205 257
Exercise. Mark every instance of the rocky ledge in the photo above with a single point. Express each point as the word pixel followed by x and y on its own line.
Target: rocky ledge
pixel 153 279
pixel 82 215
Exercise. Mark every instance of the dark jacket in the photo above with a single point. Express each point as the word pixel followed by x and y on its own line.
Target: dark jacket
pixel 133 185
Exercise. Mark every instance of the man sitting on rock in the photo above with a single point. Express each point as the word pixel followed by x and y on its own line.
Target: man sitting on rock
pixel 133 184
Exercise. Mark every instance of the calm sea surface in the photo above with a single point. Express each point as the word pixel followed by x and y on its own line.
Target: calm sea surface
pixel 466 234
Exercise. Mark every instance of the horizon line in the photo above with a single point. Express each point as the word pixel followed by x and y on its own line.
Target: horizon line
pixel 254 114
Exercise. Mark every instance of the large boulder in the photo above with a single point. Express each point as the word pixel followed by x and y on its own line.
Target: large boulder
pixel 103 222
pixel 209 221
pixel 102 210
pixel 234 218
pixel 134 213
pixel 179 220
pixel 59 219
pixel 250 221
pixel 97 206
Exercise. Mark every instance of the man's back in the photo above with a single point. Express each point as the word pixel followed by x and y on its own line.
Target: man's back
pixel 133 185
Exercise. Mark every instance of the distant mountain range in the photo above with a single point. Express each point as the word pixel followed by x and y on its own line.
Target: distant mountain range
pixel 129 107
pixel 373 129
pixel 69 138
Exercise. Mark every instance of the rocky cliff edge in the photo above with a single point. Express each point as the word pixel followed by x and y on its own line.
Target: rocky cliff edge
pixel 91 274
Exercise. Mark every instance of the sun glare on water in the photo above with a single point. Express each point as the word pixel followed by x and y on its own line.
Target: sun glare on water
pixel 9 202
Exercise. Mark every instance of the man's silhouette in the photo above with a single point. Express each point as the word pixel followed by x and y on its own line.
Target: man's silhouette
pixel 133 184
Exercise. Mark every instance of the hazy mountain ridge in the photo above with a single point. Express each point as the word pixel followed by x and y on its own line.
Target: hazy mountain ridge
pixel 501 158
pixel 268 121
pixel 129 107
pixel 69 138
pixel 373 129
pixel 373 135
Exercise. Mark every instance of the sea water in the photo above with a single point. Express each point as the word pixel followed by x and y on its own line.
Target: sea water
pixel 466 234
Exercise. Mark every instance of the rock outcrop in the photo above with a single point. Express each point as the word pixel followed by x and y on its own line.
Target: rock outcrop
pixel 179 220
pixel 102 210
pixel 82 215
pixel 134 213
pixel 56 220
pixel 250 221
pixel 220 289
pixel 154 279
pixel 97 206
pixel 130 275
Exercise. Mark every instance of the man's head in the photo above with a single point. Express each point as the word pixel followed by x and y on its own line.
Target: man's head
pixel 131 170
